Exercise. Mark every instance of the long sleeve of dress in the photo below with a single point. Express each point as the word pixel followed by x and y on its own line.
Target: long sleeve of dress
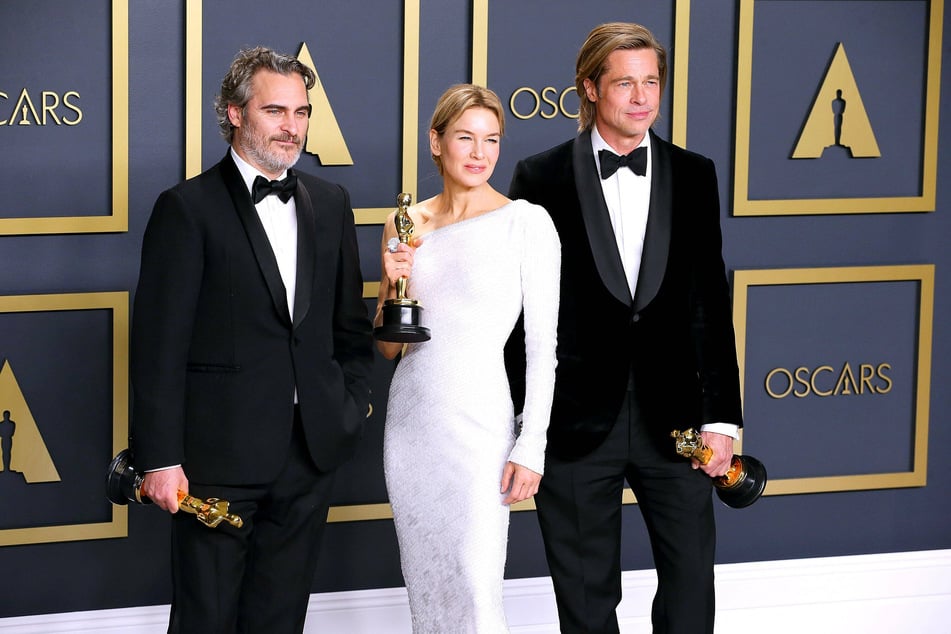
pixel 540 277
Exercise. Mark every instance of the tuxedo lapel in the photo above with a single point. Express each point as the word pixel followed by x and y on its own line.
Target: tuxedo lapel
pixel 306 249
pixel 260 245
pixel 657 233
pixel 597 222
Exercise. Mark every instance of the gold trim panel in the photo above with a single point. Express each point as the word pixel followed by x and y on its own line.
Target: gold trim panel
pixel 743 206
pixel 118 220
pixel 118 303
pixel 194 105
pixel 921 273
pixel 480 60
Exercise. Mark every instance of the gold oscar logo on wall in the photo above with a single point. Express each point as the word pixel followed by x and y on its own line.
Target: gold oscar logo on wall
pixel 48 109
pixel 547 103
pixel 324 138
pixel 825 381
pixel 23 454
pixel 837 117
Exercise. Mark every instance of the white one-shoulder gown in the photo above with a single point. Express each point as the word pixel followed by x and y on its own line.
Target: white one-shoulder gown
pixel 450 424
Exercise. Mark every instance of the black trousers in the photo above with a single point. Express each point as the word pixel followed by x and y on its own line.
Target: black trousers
pixel 579 510
pixel 256 578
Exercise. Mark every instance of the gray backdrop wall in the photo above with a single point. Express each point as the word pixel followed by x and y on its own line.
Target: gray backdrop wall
pixel 839 264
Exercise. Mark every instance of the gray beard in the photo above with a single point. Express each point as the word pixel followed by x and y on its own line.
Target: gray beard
pixel 271 162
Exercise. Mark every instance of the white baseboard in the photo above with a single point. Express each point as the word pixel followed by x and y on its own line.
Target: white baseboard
pixel 867 594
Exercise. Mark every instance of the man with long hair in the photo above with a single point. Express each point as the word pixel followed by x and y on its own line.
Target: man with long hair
pixel 645 343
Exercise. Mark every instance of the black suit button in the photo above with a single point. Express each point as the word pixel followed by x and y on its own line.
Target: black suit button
pixel 636 318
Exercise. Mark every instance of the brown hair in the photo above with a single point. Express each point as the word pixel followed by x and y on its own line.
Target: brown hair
pixel 236 85
pixel 456 100
pixel 602 41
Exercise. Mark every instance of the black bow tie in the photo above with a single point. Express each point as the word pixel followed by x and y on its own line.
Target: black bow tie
pixel 284 189
pixel 636 160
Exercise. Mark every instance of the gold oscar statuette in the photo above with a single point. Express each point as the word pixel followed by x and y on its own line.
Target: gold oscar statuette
pixel 742 485
pixel 124 484
pixel 401 315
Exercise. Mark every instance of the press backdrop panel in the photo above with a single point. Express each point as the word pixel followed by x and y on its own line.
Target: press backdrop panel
pixel 852 364
pixel 147 73
pixel 63 118
pixel 63 382
pixel 773 40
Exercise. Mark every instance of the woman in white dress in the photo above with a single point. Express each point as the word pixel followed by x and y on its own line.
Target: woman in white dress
pixel 454 457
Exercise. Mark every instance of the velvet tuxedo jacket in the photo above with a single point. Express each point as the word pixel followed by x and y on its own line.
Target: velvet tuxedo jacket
pixel 673 342
pixel 216 354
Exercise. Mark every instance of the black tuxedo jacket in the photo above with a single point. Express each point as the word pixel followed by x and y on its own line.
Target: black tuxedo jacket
pixel 673 342
pixel 216 355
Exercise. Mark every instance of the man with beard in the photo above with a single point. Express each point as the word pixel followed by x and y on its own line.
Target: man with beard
pixel 251 351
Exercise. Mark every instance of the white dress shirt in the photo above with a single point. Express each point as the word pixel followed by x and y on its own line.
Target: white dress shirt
pixel 628 198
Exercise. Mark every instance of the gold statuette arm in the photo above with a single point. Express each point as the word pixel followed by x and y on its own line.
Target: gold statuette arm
pixel 689 444
pixel 210 512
